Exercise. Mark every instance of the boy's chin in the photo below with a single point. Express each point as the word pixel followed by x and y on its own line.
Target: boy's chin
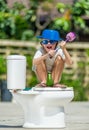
pixel 49 49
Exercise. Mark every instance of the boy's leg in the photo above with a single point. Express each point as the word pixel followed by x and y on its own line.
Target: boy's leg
pixel 41 72
pixel 57 70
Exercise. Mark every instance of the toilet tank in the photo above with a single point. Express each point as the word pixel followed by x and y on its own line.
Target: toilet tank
pixel 16 72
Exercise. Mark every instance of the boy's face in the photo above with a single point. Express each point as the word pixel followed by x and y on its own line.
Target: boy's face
pixel 48 44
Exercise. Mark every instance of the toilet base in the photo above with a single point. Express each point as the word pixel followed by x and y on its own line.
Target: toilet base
pixel 33 126
pixel 52 118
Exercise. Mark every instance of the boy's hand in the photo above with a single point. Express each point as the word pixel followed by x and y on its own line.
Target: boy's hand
pixel 51 53
pixel 63 44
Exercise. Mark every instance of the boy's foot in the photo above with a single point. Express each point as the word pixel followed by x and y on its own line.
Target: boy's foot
pixel 57 85
pixel 41 85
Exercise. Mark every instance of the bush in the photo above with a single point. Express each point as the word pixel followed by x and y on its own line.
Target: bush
pixel 2 65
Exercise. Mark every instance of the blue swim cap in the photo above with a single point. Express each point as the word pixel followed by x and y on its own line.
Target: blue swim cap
pixel 50 35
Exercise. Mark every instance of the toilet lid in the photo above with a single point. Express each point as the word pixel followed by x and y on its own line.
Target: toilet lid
pixel 52 89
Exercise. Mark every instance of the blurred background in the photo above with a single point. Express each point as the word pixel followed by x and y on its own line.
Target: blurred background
pixel 22 20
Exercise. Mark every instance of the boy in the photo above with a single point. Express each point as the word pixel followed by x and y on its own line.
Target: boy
pixel 50 58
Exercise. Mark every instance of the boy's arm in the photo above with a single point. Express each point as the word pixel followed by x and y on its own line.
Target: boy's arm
pixel 68 59
pixel 39 59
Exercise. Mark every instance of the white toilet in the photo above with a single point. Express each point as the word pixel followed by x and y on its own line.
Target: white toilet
pixel 43 107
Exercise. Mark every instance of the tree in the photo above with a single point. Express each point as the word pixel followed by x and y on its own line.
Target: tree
pixel 73 17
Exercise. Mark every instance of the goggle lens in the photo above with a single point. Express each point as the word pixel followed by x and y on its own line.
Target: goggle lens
pixel 46 41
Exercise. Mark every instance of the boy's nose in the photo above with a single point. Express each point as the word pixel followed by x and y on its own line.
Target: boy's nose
pixel 49 42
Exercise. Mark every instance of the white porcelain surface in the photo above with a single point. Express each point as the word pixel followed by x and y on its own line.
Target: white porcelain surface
pixel 44 107
pixel 16 72
pixel 55 96
pixel 52 89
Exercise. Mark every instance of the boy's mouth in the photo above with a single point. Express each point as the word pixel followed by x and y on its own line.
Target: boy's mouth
pixel 49 47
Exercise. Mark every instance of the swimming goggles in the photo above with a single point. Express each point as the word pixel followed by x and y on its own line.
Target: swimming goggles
pixel 47 41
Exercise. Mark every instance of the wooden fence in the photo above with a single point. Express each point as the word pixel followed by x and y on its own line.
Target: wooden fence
pixel 78 51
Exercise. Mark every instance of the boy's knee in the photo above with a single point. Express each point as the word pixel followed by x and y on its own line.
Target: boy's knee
pixel 59 60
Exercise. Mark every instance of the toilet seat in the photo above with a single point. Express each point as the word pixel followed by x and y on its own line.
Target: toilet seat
pixel 37 90
pixel 52 89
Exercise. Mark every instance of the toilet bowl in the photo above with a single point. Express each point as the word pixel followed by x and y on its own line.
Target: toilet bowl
pixel 44 107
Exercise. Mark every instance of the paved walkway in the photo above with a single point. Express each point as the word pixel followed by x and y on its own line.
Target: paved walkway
pixel 77 116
